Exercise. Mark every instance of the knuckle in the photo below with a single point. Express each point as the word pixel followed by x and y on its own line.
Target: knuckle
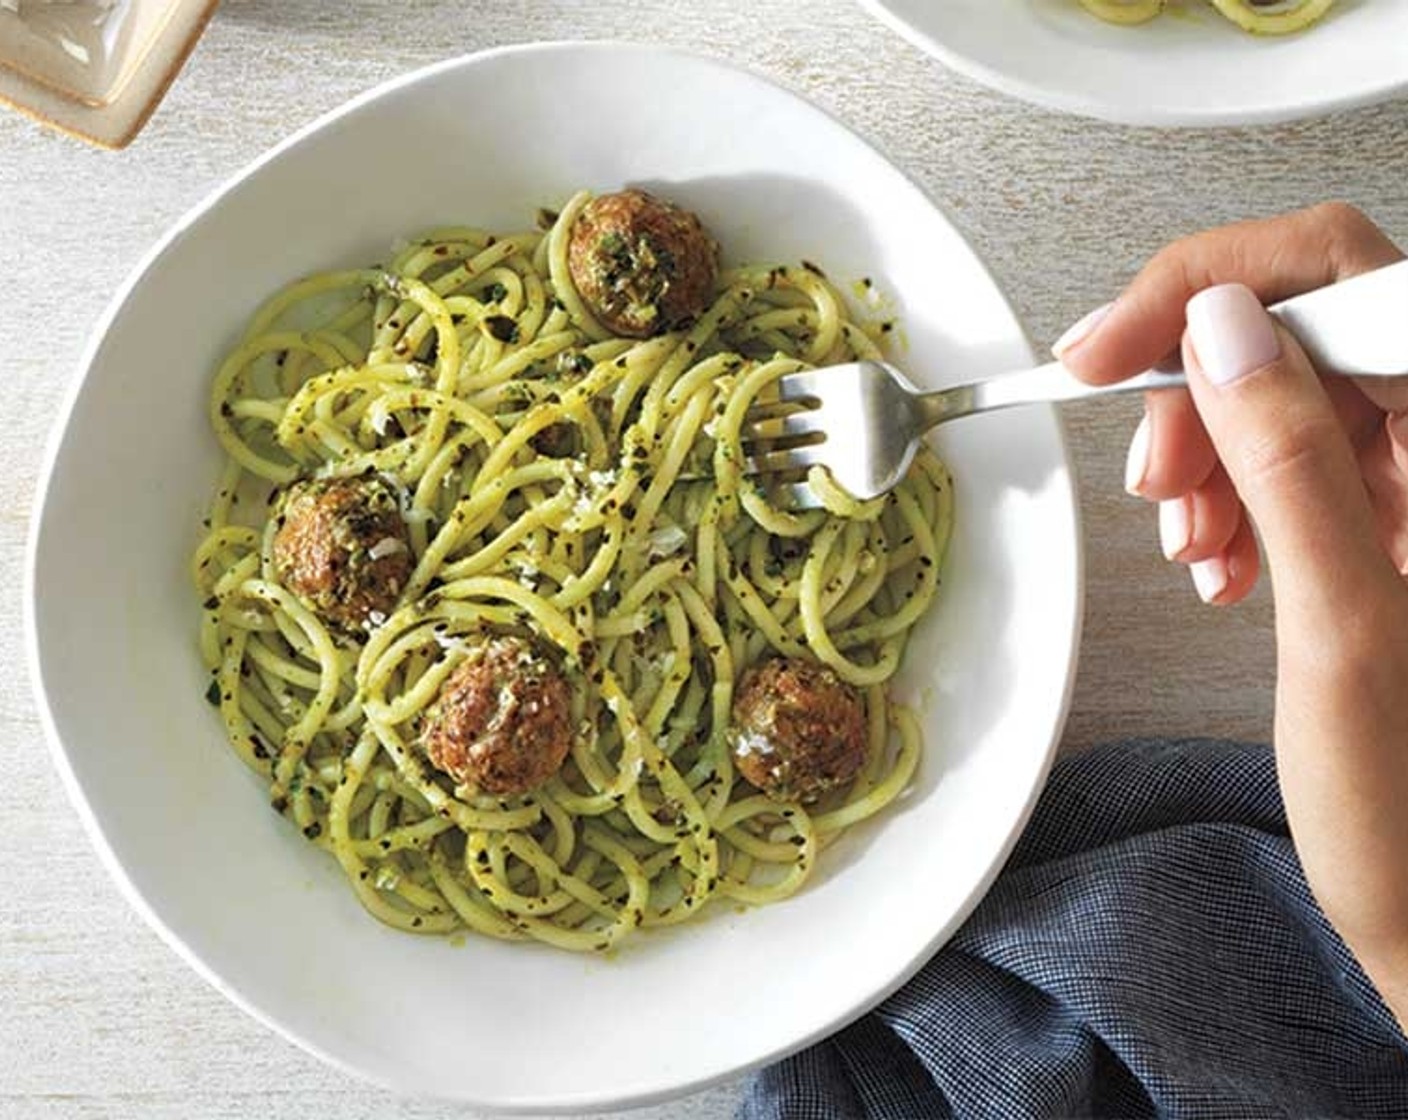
pixel 1348 238
pixel 1287 459
pixel 1212 256
pixel 1183 256
pixel 1339 216
pixel 1179 266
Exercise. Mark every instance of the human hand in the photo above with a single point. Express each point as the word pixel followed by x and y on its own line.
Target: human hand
pixel 1321 469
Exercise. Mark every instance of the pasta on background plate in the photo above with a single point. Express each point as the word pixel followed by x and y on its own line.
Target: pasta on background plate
pixel 1260 17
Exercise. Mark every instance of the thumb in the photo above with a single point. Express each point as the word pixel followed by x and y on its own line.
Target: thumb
pixel 1288 456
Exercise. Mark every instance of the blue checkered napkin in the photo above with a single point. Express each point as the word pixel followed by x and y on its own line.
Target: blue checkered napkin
pixel 1150 950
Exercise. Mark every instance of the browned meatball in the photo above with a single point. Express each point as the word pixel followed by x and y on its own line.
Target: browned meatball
pixel 503 720
pixel 798 729
pixel 341 547
pixel 642 265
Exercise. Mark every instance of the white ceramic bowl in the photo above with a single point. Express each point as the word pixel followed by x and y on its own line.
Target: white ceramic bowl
pixel 267 918
pixel 1188 67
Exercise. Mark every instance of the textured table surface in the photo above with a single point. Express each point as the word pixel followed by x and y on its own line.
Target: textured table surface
pixel 99 1018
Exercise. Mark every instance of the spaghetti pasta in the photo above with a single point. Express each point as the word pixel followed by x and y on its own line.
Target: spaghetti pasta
pixel 585 493
pixel 1260 17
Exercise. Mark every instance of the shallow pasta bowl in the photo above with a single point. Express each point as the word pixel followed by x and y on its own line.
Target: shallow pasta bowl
pixel 187 832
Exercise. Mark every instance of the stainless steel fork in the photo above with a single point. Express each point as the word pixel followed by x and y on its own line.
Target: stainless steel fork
pixel 863 421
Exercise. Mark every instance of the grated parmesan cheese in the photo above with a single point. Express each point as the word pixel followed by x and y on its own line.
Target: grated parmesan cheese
pixel 387 546
pixel 452 643
pixel 749 743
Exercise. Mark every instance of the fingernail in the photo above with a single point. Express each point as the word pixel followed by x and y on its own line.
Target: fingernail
pixel 1136 466
pixel 1209 578
pixel 1231 332
pixel 1081 330
pixel 1175 527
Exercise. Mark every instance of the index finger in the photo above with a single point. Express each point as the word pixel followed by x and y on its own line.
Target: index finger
pixel 1275 257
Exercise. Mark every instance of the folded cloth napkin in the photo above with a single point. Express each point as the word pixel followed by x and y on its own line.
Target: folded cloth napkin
pixel 1150 950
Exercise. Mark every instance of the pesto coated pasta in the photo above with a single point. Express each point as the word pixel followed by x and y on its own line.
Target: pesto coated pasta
pixel 583 498
pixel 1260 17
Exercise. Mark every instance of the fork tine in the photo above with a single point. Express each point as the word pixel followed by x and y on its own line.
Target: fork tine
pixel 774 462
pixel 782 427
pixel 800 386
pixel 785 495
pixel 796 496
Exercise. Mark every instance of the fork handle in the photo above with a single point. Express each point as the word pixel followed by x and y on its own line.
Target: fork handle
pixel 1356 328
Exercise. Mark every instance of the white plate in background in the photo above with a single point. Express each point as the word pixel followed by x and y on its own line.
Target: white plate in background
pixel 266 917
pixel 1189 66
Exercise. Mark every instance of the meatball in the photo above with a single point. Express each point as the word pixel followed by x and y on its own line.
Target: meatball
pixel 798 730
pixel 341 547
pixel 503 720
pixel 642 265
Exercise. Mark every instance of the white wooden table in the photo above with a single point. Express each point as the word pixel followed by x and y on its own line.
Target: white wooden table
pixel 97 1017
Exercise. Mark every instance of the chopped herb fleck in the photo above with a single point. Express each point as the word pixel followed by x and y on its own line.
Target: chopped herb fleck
pixel 499 327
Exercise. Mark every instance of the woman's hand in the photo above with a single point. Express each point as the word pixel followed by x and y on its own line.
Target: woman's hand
pixel 1321 469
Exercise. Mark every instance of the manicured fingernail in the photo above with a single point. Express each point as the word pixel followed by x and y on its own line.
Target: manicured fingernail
pixel 1231 332
pixel 1136 466
pixel 1175 527
pixel 1209 578
pixel 1081 330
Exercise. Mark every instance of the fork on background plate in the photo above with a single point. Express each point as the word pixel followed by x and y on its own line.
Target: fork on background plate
pixel 863 421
